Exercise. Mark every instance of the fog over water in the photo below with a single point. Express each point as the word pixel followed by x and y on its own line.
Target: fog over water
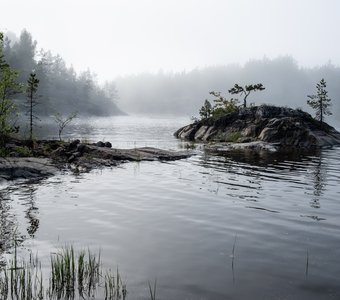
pixel 238 225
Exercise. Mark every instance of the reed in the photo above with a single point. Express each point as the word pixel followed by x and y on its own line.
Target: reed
pixel 21 280
pixel 152 290
pixel 63 273
pixel 81 272
pixel 233 259
pixel 71 276
pixel 115 289
pixel 71 272
pixel 307 263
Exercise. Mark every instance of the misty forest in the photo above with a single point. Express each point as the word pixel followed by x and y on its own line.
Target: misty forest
pixel 216 182
pixel 62 90
pixel 286 84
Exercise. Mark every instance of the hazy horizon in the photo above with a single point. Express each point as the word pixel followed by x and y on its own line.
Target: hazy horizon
pixel 118 38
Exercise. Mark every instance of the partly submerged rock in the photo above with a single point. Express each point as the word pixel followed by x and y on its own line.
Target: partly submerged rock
pixel 54 155
pixel 26 167
pixel 281 127
pixel 93 156
pixel 87 152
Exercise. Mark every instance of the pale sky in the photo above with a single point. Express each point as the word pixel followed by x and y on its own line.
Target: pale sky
pixel 119 37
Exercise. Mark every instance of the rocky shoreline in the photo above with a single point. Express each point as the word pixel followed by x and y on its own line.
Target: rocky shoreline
pixel 261 128
pixel 46 157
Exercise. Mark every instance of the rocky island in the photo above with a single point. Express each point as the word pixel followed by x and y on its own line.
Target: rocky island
pixel 261 128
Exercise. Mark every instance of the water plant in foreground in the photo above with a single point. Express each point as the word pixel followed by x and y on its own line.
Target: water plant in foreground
pixel 21 279
pixel 72 275
pixel 152 290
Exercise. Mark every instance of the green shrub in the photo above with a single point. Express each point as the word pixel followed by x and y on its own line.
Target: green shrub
pixel 233 137
pixel 3 152
pixel 23 151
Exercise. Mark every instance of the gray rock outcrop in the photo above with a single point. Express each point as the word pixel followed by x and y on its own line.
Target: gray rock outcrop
pixel 48 156
pixel 26 167
pixel 282 126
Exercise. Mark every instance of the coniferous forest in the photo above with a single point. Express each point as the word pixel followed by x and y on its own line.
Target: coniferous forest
pixel 61 90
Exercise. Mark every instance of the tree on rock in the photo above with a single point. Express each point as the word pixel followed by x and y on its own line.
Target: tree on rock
pixel 320 102
pixel 223 105
pixel 246 90
pixel 206 110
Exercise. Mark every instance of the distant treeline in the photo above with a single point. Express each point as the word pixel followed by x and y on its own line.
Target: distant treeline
pixel 61 90
pixel 286 84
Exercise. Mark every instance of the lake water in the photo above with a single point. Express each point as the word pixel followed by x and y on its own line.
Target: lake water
pixel 206 227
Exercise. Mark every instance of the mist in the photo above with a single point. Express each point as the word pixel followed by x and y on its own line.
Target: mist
pixel 104 59
pixel 183 93
pixel 61 89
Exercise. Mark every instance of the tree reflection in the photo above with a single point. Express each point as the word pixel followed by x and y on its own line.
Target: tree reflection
pixel 319 181
pixel 8 223
pixel 11 231
pixel 32 210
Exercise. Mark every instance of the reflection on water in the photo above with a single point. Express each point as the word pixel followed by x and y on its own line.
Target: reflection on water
pixel 207 227
pixel 319 181
pixel 7 224
pixel 27 195
pixel 13 227
pixel 121 131
pixel 274 165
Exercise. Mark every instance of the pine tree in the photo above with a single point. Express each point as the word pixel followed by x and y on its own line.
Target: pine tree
pixel 237 89
pixel 206 110
pixel 32 88
pixel 320 102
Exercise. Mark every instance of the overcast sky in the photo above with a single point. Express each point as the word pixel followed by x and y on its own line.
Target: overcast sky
pixel 118 37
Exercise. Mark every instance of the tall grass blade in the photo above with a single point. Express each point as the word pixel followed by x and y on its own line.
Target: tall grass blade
pixel 153 290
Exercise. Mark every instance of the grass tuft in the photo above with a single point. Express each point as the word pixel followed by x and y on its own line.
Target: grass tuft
pixel 72 276
pixel 152 290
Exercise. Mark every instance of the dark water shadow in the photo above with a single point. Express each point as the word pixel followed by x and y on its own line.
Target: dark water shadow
pixel 267 158
pixel 305 170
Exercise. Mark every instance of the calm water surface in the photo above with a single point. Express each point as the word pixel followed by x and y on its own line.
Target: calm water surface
pixel 207 227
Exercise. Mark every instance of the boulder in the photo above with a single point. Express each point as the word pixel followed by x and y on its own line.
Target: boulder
pixel 26 167
pixel 100 144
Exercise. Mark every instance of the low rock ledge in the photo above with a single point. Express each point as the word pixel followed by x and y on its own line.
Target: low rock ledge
pixel 48 156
